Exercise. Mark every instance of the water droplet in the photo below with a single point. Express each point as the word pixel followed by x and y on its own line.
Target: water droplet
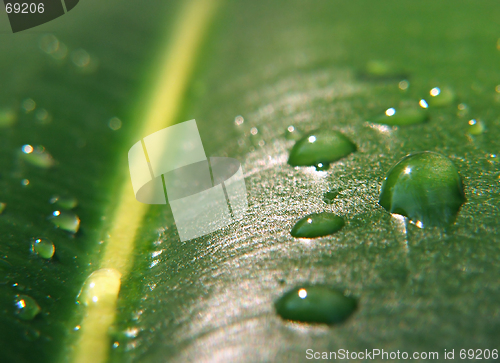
pixel 65 202
pixel 28 105
pixel 320 147
pixel 101 287
pixel 66 220
pixel 317 225
pixel 4 266
pixel 315 304
pixel 423 103
pixel 2 207
pixel 238 120
pixel 7 117
pixel 18 286
pixel 440 97
pixel 37 156
pixel 425 187
pixel 43 247
pixel 402 117
pixel 476 127
pixel 115 123
pixel 31 334
pixel 403 85
pixel 26 307
pixel 61 52
pixel 25 182
pixel 463 109
pixel 329 196
pixel 254 131
pixel 292 133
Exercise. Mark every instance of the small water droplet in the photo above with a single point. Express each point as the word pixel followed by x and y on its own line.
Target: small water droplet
pixel 403 85
pixel 25 182
pixel 330 195
pixel 43 247
pixel 320 147
pixel 476 127
pixel 19 286
pixel 37 156
pixel 315 304
pixel 61 52
pixel 101 287
pixel 131 332
pixel 238 120
pixel 254 131
pixel 7 117
pixel 423 103
pixel 403 117
pixel 42 116
pixel 463 109
pixel 425 187
pixel 440 97
pixel 28 105
pixel 65 220
pixel 31 334
pixel 317 225
pixel 65 202
pixel 48 43
pixel 26 307
pixel 2 207
pixel 115 123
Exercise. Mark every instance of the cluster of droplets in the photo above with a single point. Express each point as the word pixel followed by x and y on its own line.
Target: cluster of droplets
pixel 424 187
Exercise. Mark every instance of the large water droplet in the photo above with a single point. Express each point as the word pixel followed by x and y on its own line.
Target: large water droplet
pixel 425 187
pixel 320 148
pixel 101 287
pixel 402 117
pixel 26 307
pixel 66 220
pixel 315 304
pixel 43 247
pixel 37 156
pixel 317 225
pixel 440 97
pixel 66 201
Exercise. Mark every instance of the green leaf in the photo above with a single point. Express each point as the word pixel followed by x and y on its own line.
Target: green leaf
pixel 271 65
